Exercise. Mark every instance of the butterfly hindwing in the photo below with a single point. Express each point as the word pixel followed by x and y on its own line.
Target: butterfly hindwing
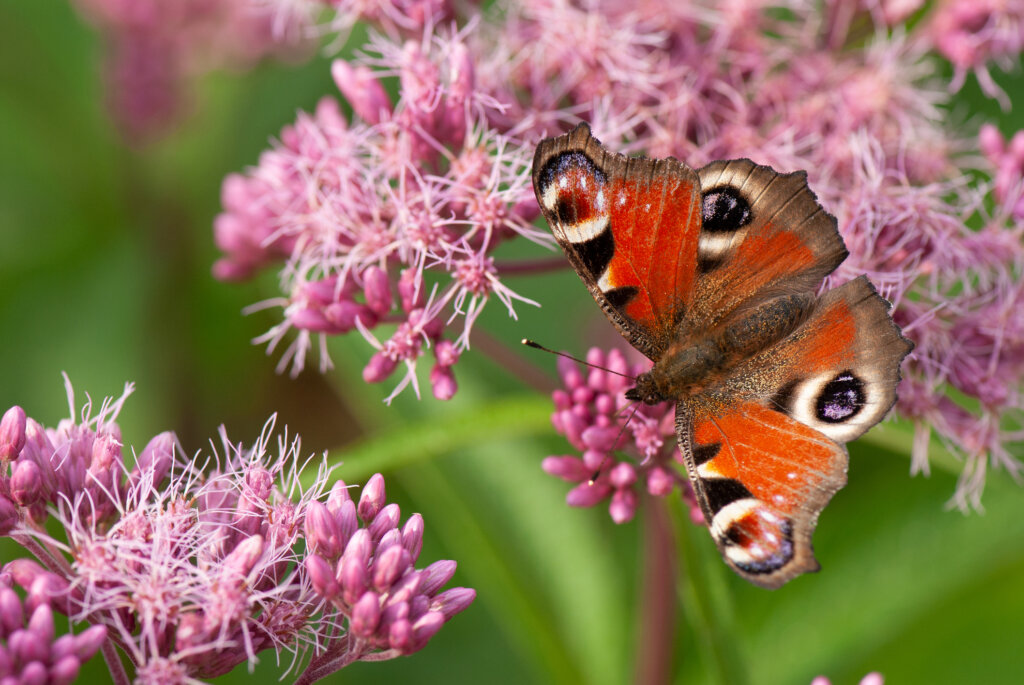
pixel 764 449
pixel 629 227
pixel 761 478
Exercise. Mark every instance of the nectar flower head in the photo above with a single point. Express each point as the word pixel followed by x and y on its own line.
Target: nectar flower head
pixel 411 200
pixel 194 566
pixel 363 563
pixel 592 413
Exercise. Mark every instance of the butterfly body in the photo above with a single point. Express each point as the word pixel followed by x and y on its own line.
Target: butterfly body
pixel 713 274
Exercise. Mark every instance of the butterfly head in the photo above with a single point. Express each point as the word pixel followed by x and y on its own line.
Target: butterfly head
pixel 645 391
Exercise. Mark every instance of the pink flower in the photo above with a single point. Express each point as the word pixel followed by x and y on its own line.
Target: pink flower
pixel 363 564
pixel 194 566
pixel 593 414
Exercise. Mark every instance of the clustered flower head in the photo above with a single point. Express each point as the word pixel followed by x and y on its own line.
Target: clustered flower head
pixel 156 47
pixel 413 194
pixel 594 415
pixel 191 568
pixel 362 563
pixel 387 223
pixel 30 649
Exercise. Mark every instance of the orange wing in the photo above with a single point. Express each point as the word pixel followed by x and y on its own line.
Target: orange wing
pixel 763 233
pixel 762 478
pixel 630 228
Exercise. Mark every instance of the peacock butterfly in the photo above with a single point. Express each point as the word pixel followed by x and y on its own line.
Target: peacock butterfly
pixel 713 275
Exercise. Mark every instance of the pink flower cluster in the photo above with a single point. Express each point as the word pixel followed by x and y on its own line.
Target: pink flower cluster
pixel 593 414
pixel 361 562
pixel 154 48
pixel 31 651
pixel 414 194
pixel 192 568
pixel 390 221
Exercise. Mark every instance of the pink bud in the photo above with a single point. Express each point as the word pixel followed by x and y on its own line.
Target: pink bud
pixel 9 515
pixel 587 494
pixel 991 142
pixel 41 624
pixel 622 475
pixel 157 456
pixel 365 615
pixel 323 535
pixel 359 546
pixel 389 566
pixel 12 433
pixel 348 523
pixel 377 289
pixel 310 319
pixel 363 91
pixel 406 587
pixel 338 496
pixel 35 673
pixel 353 578
pixel 12 616
pixel 412 535
pixel 659 482
pixel 65 670
pixel 26 647
pixel 400 635
pixel 426 627
pixel 446 353
pixel 410 290
pixel 371 500
pixel 321 575
pixel 451 602
pixel 379 368
pixel 435 576
pixel 89 641
pixel 243 558
pixel 385 520
pixel 342 316
pixel 442 382
pixel 567 468
pixel 622 508
pixel 601 438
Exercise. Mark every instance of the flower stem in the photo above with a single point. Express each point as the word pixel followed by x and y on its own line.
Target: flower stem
pixel 118 676
pixel 532 266
pixel 657 606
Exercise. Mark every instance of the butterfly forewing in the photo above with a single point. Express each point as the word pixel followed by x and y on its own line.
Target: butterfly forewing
pixel 630 228
pixel 762 232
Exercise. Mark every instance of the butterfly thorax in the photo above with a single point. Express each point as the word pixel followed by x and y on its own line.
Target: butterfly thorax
pixel 690 365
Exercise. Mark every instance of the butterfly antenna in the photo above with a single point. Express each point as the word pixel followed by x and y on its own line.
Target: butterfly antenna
pixel 600 468
pixel 538 346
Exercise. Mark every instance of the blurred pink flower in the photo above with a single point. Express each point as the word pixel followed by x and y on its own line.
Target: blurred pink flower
pixel 156 47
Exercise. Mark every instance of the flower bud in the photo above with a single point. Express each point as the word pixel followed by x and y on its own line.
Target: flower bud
pixel 25 483
pixel 12 433
pixel 372 498
pixel 366 615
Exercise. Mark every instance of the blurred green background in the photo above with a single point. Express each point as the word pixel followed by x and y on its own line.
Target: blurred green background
pixel 105 274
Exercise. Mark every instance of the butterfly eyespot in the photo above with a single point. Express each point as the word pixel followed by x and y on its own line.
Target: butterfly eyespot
pixel 724 209
pixel 841 399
